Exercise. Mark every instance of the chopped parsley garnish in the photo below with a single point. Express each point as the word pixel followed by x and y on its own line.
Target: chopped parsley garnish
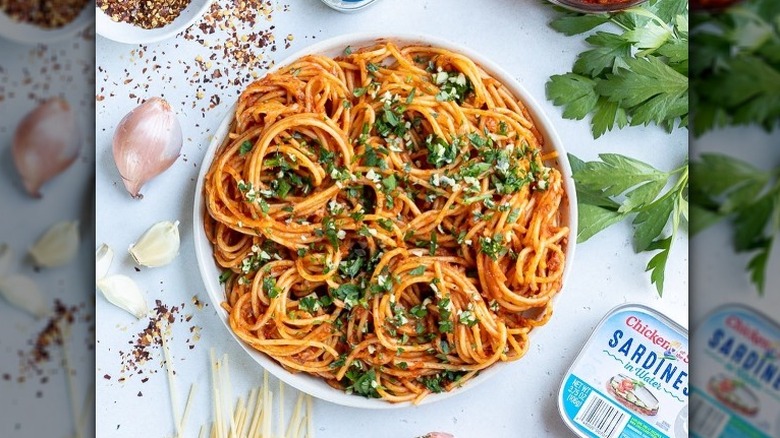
pixel 391 121
pixel 438 382
pixel 419 311
pixel 269 287
pixel 387 224
pixel 330 231
pixel 468 318
pixel 433 244
pixel 355 261
pixel 445 324
pixel 246 146
pixel 225 276
pixel 348 293
pixel 363 383
pixel 372 157
pixel 420 270
pixel 357 92
pixel 493 247
pixel 309 303
pixel 452 85
pixel 340 362
pixel 441 153
pixel 389 183
pixel 410 97
pixel 502 128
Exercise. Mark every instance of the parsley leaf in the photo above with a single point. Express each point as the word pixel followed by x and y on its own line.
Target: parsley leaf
pixel 726 188
pixel 246 146
pixel 420 270
pixel 363 383
pixel 635 77
pixel 617 187
pixel 225 276
pixel 735 69
pixel 348 293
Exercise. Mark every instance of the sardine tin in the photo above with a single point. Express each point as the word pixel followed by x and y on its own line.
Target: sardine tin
pixel 736 390
pixel 630 380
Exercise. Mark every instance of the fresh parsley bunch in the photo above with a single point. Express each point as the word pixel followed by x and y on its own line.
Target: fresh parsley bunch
pixel 616 188
pixel 735 69
pixel 635 71
pixel 728 188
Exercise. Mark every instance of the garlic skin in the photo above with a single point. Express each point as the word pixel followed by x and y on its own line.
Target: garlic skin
pixel 158 246
pixel 123 292
pixel 5 259
pixel 146 142
pixel 103 258
pixel 46 142
pixel 57 246
pixel 23 292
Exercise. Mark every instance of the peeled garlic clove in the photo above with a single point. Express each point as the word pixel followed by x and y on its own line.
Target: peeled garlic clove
pixel 123 292
pixel 22 292
pixel 46 142
pixel 147 141
pixel 103 258
pixel 5 259
pixel 158 246
pixel 57 246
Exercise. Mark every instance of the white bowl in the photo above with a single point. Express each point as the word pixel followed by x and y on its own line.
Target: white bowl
pixel 316 386
pixel 31 34
pixel 131 34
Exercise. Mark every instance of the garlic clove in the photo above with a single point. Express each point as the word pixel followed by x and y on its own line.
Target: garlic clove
pixel 158 246
pixel 6 254
pixel 57 246
pixel 123 292
pixel 46 142
pixel 103 258
pixel 23 292
pixel 146 142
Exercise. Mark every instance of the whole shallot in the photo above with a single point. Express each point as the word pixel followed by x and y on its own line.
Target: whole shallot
pixel 147 141
pixel 46 142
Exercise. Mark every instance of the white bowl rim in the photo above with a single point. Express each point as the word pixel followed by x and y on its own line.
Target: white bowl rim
pixel 31 34
pixel 127 33
pixel 315 386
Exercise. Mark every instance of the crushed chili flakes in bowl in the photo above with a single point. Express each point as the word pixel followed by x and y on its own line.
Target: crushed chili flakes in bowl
pixel 47 14
pixel 147 14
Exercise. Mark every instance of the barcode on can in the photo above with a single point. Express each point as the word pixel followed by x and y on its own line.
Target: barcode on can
pixel 707 420
pixel 601 416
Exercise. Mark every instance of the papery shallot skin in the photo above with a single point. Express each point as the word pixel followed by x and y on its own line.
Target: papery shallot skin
pixel 46 142
pixel 146 142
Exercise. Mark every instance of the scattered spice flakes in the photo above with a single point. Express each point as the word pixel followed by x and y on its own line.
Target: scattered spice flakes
pixel 197 302
pixel 47 72
pixel 43 344
pixel 146 343
pixel 237 36
pixel 233 33
pixel 147 340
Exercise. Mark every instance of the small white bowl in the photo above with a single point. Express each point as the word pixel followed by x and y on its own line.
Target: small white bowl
pixel 333 47
pixel 27 33
pixel 131 34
